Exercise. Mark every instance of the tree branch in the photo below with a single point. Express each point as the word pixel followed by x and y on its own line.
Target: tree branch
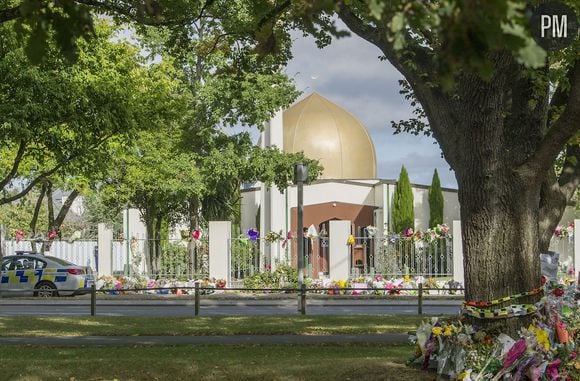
pixel 563 129
pixel 32 184
pixel 50 206
pixel 50 172
pixel 65 208
pixel 131 12
pixel 135 14
pixel 273 13
pixel 569 179
pixel 10 14
pixel 555 194
pixel 15 165
pixel 37 210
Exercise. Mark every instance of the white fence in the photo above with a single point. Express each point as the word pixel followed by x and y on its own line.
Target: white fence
pixel 178 258
pixel 241 258
pixel 82 253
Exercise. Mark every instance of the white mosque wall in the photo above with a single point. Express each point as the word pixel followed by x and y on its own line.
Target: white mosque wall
pixel 333 191
pixel 451 211
pixel 273 134
pixel 250 203
pixel 278 209
pixel 379 195
pixel 422 209
pixel 420 204
pixel 381 219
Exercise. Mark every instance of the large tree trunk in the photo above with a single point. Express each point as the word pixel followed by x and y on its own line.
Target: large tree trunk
pixel 499 197
pixel 501 136
pixel 500 229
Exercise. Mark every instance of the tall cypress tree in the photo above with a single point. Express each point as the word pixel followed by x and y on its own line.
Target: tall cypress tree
pixel 435 201
pixel 403 213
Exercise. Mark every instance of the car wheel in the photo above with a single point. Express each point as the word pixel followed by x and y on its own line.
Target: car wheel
pixel 45 290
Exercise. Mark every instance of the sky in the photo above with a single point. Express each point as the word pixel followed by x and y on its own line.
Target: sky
pixel 349 73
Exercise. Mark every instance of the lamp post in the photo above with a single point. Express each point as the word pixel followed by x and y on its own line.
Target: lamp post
pixel 300 176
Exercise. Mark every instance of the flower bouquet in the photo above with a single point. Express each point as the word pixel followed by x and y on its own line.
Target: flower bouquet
pixel 273 237
pixel 548 349
pixel 562 231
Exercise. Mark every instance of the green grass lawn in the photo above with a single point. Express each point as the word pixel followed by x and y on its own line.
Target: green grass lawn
pixel 198 326
pixel 263 362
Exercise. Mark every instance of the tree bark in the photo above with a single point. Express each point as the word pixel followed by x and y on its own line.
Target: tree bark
pixel 157 243
pixel 50 219
pixel 149 243
pixel 35 215
pixel 62 213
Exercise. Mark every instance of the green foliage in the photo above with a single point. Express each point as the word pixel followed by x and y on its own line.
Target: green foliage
pixel 245 257
pixel 17 215
pixel 403 212
pixel 96 212
pixel 65 120
pixel 285 276
pixel 174 260
pixel 436 202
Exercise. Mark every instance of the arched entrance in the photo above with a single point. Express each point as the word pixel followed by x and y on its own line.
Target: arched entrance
pixel 318 250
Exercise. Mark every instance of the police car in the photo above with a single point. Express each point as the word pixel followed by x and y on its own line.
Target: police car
pixel 40 275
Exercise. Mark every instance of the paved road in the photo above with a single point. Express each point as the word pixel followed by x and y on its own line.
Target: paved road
pixel 10 307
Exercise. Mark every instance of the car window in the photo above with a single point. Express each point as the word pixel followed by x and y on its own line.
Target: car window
pixel 6 265
pixel 25 263
pixel 38 264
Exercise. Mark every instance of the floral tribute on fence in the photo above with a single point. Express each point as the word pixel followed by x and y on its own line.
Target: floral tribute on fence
pixel 549 349
pixel 430 235
pixel 378 285
pixel 563 231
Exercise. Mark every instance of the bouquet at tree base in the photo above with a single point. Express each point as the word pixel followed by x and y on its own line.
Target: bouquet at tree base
pixel 548 349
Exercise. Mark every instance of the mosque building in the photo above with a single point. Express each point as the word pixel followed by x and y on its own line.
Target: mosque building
pixel 348 189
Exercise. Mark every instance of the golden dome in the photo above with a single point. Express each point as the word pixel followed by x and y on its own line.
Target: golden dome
pixel 332 135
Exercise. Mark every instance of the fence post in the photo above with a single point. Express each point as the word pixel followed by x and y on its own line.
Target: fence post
pixel 196 299
pixel 458 271
pixel 105 250
pixel 220 234
pixel 303 299
pixel 1 241
pixel 576 244
pixel 93 300
pixel 420 301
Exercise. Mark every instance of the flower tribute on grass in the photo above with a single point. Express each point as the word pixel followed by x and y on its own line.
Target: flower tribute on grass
pixel 549 349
